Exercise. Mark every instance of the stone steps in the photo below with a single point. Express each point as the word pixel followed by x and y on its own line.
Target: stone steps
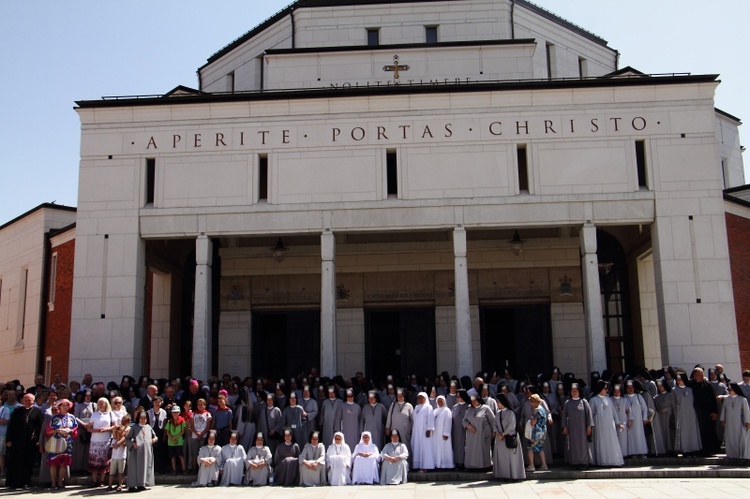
pixel 666 467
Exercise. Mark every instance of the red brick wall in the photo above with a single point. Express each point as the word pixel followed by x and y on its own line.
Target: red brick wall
pixel 57 332
pixel 738 232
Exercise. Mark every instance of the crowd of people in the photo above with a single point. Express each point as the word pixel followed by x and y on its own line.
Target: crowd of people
pixel 311 430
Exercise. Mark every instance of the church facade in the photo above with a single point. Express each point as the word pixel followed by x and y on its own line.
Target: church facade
pixel 407 187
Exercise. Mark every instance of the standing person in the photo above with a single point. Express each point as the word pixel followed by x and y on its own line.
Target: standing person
pixel 576 422
pixel 442 443
pixel 735 416
pixel 312 462
pixel 157 419
pixel 330 415
pixel 83 411
pixel 100 425
pixel 119 453
pixel 622 415
pixel 270 423
pixel 291 418
pixel 538 424
pixel 707 412
pixel 638 412
pixel 259 459
pixel 61 432
pixel 309 413
pixel 507 463
pixel 400 418
pixel 21 442
pixel 199 427
pixel 174 431
pixel 423 424
pixel 664 403
pixel 351 416
pixel 286 459
pixel 458 434
pixel 208 466
pixel 365 459
pixel 222 418
pixel 140 444
pixel 606 445
pixel 232 462
pixel 244 414
pixel 374 415
pixel 338 461
pixel 479 422
pixel 395 456
pixel 687 433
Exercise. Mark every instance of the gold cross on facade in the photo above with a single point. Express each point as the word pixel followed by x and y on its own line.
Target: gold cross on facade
pixel 395 67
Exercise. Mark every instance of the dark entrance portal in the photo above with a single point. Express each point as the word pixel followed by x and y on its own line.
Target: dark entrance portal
pixel 400 342
pixel 519 337
pixel 285 343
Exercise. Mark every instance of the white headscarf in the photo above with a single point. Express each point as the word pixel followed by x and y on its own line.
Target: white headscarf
pixel 363 447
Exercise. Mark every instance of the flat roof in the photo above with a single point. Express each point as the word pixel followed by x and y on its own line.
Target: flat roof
pixel 325 93
pixel 49 206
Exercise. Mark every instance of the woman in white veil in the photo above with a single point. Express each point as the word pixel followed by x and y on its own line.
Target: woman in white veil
pixel 338 461
pixel 365 461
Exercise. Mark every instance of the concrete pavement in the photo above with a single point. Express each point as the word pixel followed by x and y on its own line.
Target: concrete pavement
pixel 530 489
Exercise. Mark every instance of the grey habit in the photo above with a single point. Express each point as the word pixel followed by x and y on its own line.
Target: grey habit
pixel 459 432
pixel 373 420
pixel 606 448
pixel 309 477
pixel 687 432
pixel 576 417
pixel 140 459
pixel 330 418
pixel 394 473
pixel 351 416
pixel 507 463
pixel 736 414
pixel 477 453
pixel 399 418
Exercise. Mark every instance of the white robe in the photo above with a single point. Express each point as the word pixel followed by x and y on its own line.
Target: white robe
pixel 606 447
pixel 365 469
pixel 338 462
pixel 421 444
pixel 736 414
pixel 442 447
pixel 232 464
pixel 208 467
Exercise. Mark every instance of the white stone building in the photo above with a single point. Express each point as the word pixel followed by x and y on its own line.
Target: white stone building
pixel 344 189
pixel 26 271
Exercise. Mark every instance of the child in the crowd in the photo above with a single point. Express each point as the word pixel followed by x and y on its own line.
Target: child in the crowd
pixel 119 453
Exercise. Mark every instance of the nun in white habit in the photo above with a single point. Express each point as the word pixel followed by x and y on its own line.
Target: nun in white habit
pixel 232 462
pixel 338 461
pixel 395 456
pixel 365 461
pixel 442 444
pixel 423 425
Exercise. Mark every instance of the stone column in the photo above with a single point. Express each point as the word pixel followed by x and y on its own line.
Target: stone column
pixel 464 360
pixel 328 365
pixel 202 311
pixel 592 301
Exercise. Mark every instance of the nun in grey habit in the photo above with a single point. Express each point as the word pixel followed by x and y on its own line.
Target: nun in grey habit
pixel 507 463
pixel 606 445
pixel 735 415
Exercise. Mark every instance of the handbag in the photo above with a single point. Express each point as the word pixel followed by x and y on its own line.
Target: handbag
pixel 511 441
pixel 528 431
pixel 56 444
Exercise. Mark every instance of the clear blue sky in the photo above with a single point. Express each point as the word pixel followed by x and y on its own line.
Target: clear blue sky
pixel 56 52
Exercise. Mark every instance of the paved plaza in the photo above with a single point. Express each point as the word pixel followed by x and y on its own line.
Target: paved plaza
pixel 630 488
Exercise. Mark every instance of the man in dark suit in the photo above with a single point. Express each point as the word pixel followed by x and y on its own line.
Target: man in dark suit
pixel 22 442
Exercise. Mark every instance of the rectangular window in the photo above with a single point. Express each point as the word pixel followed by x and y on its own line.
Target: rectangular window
pixel 262 177
pixel 21 323
pixel 523 168
pixel 230 82
pixel 583 68
pixel 52 282
pixel 640 161
pixel 431 34
pixel 47 370
pixel 373 37
pixel 150 179
pixel 550 54
pixel 391 167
